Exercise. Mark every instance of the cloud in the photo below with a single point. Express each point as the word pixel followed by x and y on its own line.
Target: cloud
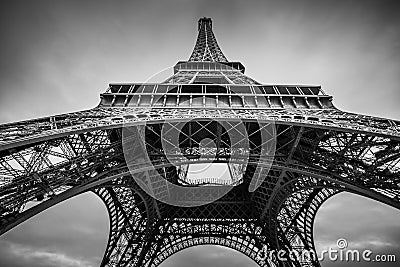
pixel 73 230
pixel 13 255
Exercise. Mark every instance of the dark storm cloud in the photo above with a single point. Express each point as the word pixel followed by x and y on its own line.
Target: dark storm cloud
pixel 57 56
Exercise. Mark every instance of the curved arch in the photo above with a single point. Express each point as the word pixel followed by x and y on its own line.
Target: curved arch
pixel 21 217
pixel 198 241
pixel 121 171
pixel 107 123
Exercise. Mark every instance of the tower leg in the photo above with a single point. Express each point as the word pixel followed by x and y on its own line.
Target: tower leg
pixel 131 220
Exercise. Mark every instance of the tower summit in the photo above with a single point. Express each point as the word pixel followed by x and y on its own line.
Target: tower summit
pixel 206 48
pixel 283 151
pixel 207 57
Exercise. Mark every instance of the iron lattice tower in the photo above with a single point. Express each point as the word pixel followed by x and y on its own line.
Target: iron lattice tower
pixel 319 151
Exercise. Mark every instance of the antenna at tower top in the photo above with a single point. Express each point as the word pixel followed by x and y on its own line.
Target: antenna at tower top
pixel 203 22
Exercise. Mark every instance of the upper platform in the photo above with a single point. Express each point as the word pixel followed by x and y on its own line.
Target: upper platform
pixel 216 96
pixel 209 80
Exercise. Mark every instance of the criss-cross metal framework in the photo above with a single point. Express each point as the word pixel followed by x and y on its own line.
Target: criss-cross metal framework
pixel 319 151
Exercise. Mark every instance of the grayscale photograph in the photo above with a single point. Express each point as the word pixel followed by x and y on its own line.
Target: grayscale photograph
pixel 178 133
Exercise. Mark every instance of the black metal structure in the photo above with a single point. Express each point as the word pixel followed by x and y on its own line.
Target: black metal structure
pixel 319 151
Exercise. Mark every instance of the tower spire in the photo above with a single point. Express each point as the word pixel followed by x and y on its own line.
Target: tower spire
pixel 206 48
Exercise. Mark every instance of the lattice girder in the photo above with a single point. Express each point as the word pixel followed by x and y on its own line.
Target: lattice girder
pixel 170 234
pixel 30 132
pixel 206 48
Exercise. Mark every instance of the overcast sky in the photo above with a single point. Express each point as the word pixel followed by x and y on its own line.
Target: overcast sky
pixel 58 56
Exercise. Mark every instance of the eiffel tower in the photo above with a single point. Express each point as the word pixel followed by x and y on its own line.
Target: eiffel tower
pixel 272 155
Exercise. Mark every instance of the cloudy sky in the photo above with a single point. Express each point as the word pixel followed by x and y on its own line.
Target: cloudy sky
pixel 58 56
